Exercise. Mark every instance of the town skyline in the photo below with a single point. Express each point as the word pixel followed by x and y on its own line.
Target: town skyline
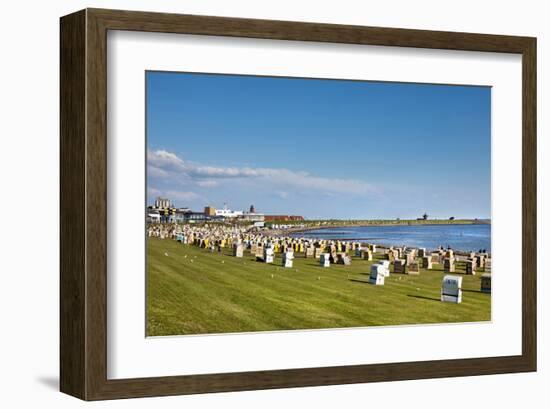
pixel 276 143
pixel 168 204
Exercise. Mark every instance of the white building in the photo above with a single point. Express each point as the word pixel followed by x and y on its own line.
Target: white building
pixel 153 217
pixel 225 212
pixel 253 217
pixel 163 203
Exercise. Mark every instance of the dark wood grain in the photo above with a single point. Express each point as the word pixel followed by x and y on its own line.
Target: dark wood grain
pixel 290 30
pixel 72 198
pixel 84 203
pixel 96 205
pixel 529 202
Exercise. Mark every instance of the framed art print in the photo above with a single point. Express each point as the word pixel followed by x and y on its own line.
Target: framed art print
pixel 252 204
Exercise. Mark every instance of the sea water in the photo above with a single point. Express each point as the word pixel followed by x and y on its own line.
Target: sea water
pixel 460 237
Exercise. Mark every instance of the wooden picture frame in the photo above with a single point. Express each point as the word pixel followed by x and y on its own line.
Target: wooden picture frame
pixel 83 256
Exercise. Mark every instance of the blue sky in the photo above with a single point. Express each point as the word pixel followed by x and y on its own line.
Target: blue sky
pixel 319 148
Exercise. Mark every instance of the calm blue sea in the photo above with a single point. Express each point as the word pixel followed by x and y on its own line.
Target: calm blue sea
pixel 467 237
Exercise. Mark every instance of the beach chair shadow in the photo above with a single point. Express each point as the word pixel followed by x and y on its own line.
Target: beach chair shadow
pixel 359 281
pixel 422 297
pixel 473 291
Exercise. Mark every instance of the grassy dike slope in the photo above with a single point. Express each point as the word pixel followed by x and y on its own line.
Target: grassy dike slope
pixel 193 291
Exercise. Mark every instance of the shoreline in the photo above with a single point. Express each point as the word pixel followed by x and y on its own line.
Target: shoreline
pixel 291 231
pixel 378 224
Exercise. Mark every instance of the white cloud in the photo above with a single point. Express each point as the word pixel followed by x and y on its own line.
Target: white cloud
pixel 172 194
pixel 152 191
pixel 167 164
pixel 164 160
pixel 207 183
pixel 155 172
pixel 179 195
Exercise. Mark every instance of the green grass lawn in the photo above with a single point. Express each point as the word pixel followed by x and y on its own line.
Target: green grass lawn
pixel 193 291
